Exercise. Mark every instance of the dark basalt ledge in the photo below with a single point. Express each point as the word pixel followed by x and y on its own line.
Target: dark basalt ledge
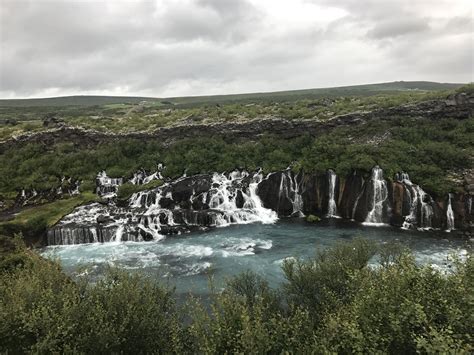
pixel 458 106
pixel 187 201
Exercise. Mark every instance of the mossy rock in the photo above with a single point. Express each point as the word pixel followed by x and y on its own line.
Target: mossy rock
pixel 312 218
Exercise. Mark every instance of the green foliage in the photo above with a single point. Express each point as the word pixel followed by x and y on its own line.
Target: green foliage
pixel 87 186
pixel 126 190
pixel 332 303
pixel 12 253
pixel 327 281
pixel 468 88
pixel 33 221
pixel 43 311
pixel 429 150
pixel 311 218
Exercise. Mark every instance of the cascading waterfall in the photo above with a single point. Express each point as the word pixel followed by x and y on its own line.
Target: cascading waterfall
pixel 224 198
pixel 253 202
pixel 107 187
pixel 203 201
pixel 418 203
pixel 290 189
pixel 449 215
pixel 141 177
pixel 231 199
pixel 332 207
pixel 354 209
pixel 379 196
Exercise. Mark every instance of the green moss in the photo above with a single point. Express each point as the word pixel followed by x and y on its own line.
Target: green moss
pixel 312 218
pixel 126 190
pixel 35 220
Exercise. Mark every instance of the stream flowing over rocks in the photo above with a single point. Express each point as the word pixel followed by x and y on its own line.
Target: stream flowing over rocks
pixel 206 201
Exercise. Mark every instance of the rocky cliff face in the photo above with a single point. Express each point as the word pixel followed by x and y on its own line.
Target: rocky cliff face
pixel 205 201
pixel 457 106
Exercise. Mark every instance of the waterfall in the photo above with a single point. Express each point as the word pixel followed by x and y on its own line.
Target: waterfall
pixel 418 205
pixel 354 209
pixel 290 189
pixel 449 215
pixel 119 233
pixel 223 197
pixel 332 207
pixel 221 200
pixel 141 177
pixel 379 194
pixel 107 187
pixel 266 215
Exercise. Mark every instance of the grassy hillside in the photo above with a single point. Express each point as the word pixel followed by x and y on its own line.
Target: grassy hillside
pixel 123 114
pixel 434 152
pixel 73 101
pixel 369 89
pixel 355 90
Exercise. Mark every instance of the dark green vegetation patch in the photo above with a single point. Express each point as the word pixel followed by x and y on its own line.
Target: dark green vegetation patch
pixel 332 303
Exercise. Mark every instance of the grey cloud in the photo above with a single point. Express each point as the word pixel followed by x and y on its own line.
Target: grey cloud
pixel 192 47
pixel 396 28
pixel 460 24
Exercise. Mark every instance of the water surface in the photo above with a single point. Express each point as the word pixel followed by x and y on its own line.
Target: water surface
pixel 188 261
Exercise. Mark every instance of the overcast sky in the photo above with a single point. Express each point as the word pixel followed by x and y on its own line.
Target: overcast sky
pixel 197 47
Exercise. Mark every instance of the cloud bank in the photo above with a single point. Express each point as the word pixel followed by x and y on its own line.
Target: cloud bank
pixel 197 47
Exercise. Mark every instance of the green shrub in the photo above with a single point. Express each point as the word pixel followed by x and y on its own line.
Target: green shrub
pixel 468 88
pixel 126 190
pixel 87 186
pixel 43 311
pixel 335 302
pixel 311 218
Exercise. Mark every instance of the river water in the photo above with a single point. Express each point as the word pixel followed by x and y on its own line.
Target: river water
pixel 189 261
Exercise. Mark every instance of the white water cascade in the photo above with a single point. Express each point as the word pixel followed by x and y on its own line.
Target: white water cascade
pixel 332 206
pixel 379 196
pixel 290 189
pixel 418 205
pixel 220 200
pixel 224 198
pixel 449 216
pixel 107 187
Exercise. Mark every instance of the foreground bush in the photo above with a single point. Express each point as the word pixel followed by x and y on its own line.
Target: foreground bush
pixel 42 310
pixel 333 303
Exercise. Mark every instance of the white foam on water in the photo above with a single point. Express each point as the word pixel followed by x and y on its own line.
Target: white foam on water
pixel 235 247
pixel 197 268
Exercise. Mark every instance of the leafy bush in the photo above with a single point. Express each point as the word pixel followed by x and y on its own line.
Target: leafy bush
pixel 43 311
pixel 126 190
pixel 332 303
pixel 468 88
pixel 312 218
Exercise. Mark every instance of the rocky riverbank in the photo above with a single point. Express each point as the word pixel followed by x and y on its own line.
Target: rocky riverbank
pixel 206 201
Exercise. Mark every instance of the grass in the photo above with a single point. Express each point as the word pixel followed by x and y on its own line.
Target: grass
pixel 33 221
pixel 138 114
pixel 125 191
pixel 54 211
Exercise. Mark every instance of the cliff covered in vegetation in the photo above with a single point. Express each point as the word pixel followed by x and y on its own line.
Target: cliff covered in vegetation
pixel 426 134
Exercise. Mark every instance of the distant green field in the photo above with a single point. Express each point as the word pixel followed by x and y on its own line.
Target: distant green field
pixel 139 114
pixel 357 90
pixel 74 101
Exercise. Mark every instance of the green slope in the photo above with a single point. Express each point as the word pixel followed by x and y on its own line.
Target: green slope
pixel 357 90
pixel 73 101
